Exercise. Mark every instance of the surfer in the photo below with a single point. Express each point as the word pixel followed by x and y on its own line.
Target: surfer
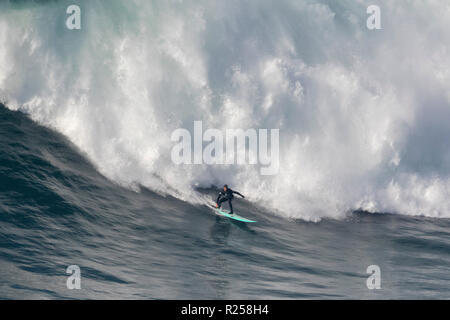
pixel 226 195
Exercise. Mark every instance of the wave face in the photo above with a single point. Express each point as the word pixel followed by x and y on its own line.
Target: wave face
pixel 363 115
pixel 57 210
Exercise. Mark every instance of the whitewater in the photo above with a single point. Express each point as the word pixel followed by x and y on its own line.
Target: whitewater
pixel 88 181
pixel 363 114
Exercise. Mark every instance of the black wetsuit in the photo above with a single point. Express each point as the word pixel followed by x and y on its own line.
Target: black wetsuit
pixel 227 196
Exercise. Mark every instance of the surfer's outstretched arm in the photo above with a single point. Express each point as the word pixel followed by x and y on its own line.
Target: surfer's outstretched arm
pixel 238 194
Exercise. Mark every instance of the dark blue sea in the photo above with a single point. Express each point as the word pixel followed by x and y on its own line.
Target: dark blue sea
pixel 56 210
pixel 350 191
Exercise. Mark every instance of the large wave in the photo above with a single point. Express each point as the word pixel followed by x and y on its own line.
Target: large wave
pixel 363 114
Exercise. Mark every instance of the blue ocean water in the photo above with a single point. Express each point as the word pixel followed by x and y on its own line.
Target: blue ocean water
pixel 87 176
pixel 56 210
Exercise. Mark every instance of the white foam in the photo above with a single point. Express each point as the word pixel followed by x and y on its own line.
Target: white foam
pixel 363 115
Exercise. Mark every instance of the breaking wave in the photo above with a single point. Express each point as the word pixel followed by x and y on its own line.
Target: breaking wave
pixel 363 115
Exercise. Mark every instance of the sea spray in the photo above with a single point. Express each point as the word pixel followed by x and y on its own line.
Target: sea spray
pixel 364 113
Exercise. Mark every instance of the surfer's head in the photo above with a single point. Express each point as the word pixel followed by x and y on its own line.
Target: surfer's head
pixel 225 187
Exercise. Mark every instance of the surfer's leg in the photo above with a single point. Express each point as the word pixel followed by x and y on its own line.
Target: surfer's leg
pixel 221 200
pixel 231 206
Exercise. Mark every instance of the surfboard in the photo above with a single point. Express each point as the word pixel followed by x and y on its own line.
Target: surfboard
pixel 234 216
